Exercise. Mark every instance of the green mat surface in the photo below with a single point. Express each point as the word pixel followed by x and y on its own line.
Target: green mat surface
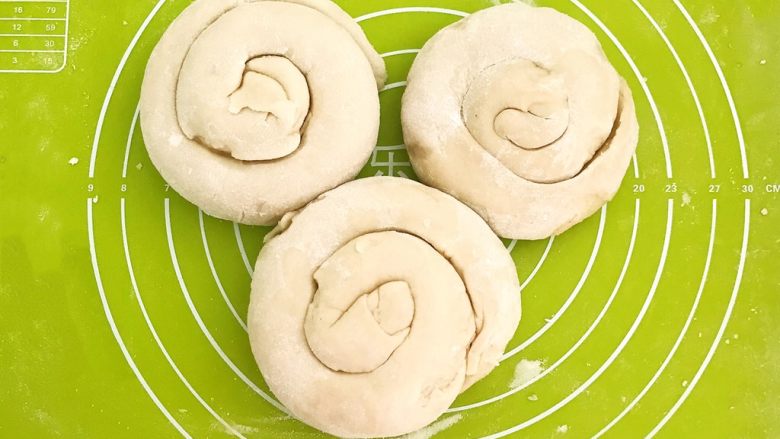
pixel 122 307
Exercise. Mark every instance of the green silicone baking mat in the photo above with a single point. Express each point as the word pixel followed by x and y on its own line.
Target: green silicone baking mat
pixel 123 307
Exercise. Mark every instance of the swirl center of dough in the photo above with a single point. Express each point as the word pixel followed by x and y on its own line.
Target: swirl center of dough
pixel 354 331
pixel 261 117
pixel 517 101
pixel 230 99
pixel 544 121
pixel 277 93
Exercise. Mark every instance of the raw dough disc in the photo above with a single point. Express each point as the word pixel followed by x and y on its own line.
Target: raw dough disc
pixel 516 111
pixel 374 306
pixel 250 109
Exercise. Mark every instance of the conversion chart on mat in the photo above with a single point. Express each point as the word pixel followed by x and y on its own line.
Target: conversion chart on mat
pixel 33 36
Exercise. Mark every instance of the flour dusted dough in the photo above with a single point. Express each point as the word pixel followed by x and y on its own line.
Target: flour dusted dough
pixel 377 304
pixel 251 109
pixel 516 111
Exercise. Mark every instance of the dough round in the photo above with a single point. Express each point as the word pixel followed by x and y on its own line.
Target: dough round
pixel 517 112
pixel 374 306
pixel 250 109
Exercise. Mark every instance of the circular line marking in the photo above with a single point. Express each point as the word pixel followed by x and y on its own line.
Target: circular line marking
pixel 399 52
pixel 621 345
pixel 395 11
pixel 571 297
pixel 156 337
pixel 538 264
pixel 115 331
pixel 112 85
pixel 242 249
pixel 642 83
pixel 582 339
pixel 511 247
pixel 688 80
pixel 130 139
pixel 724 84
pixel 684 330
pixel 199 321
pixel 393 85
pixel 215 275
pixel 390 147
pixel 724 323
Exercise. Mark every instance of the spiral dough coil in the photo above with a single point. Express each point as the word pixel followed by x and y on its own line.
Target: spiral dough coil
pixel 377 304
pixel 516 111
pixel 250 109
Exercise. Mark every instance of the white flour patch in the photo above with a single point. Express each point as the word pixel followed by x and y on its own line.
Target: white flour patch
pixel 75 43
pixel 245 429
pixel 562 429
pixel 709 16
pixel 686 199
pixel 139 166
pixel 46 420
pixel 435 428
pixel 533 397
pixel 765 211
pixel 241 429
pixel 73 161
pixel 525 371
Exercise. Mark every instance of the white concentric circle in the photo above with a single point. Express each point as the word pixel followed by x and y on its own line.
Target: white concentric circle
pixel 684 330
pixel 642 83
pixel 115 331
pixel 618 349
pixel 156 337
pixel 199 320
pixel 217 281
pixel 688 81
pixel 585 274
pixel 582 339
